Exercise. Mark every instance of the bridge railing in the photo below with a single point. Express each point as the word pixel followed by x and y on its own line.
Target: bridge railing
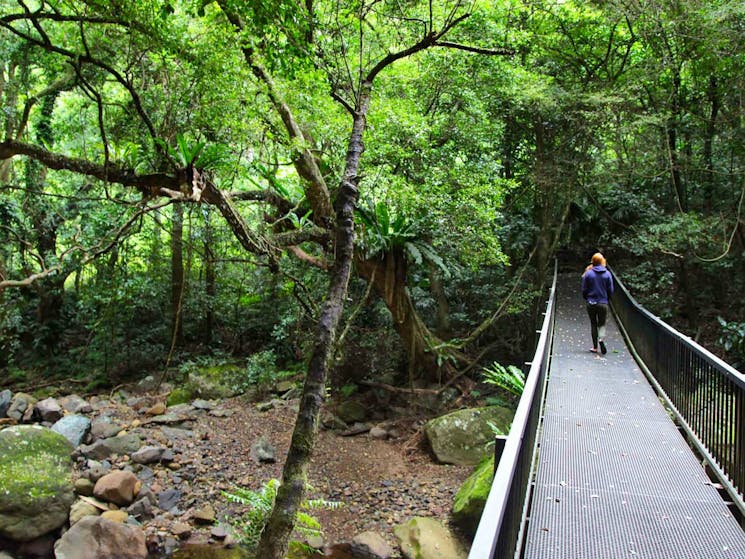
pixel 500 531
pixel 706 394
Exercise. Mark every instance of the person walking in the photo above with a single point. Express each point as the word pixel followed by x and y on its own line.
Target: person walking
pixel 597 287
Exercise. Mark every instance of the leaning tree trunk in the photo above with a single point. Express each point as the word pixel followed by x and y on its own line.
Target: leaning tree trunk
pixel 275 538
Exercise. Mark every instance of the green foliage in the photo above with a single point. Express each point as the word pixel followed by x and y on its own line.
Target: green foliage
pixel 251 523
pixel 384 232
pixel 509 378
pixel 732 339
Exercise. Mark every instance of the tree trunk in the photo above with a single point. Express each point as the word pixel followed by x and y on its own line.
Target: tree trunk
pixel 443 306
pixel 210 285
pixel 275 538
pixel 177 272
pixel 422 346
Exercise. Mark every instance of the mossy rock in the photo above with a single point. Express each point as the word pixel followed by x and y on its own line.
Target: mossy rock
pixel 426 538
pixel 181 395
pixel 35 481
pixel 463 437
pixel 471 497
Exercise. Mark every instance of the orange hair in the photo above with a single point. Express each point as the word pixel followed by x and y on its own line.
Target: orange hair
pixel 598 259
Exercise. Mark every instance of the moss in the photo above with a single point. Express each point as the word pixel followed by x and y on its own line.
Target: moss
pixel 35 463
pixel 471 497
pixel 180 395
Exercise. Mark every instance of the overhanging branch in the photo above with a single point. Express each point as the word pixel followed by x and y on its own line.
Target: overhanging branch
pixel 501 51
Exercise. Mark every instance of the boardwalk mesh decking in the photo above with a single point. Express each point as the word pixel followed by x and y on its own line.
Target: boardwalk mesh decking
pixel 616 479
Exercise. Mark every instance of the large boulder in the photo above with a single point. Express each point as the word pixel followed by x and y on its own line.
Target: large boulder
pixel 35 481
pixel 462 437
pixel 94 537
pixel 426 538
pixel 471 497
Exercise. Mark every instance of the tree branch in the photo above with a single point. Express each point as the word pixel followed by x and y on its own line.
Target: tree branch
pixel 501 51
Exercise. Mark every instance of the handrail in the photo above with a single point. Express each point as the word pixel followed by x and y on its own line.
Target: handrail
pixel 706 394
pixel 501 528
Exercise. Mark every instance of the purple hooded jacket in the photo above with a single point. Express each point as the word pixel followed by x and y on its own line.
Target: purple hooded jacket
pixel 597 285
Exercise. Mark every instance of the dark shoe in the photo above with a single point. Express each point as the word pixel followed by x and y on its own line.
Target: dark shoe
pixel 603 349
pixel 593 350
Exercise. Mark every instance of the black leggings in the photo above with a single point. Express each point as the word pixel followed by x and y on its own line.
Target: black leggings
pixel 598 315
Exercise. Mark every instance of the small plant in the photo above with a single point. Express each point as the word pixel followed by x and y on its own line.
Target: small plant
pixel 732 339
pixel 250 526
pixel 509 378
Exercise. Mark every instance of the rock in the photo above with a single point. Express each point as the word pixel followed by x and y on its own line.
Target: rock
pixel 462 437
pixel 314 541
pixel 148 454
pixel 84 486
pixel 219 532
pixel 142 508
pixel 203 405
pixel 75 404
pixel 471 497
pixel 168 419
pixel 221 413
pixel 263 451
pixel 80 509
pixel 426 538
pixel 157 409
pixel 378 433
pixel 204 515
pixel 99 538
pixel 103 448
pixel 35 481
pixel 48 410
pixel 351 411
pixel 168 499
pixel 370 545
pixel 96 469
pixel 4 555
pixel 118 487
pixel 115 515
pixel 73 428
pixel 40 548
pixel 283 386
pixel 19 405
pixel 356 429
pixel 147 384
pixel 6 397
pixel 104 427
pixel 266 406
pixel 181 530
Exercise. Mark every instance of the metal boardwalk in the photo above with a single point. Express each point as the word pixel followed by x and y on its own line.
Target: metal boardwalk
pixel 615 478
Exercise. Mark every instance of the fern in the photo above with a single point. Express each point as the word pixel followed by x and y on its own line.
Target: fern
pixel 250 526
pixel 509 378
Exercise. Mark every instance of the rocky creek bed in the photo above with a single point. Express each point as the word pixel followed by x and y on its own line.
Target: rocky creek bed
pixel 163 470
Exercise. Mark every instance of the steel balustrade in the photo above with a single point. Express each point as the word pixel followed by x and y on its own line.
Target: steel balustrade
pixel 501 529
pixel 706 394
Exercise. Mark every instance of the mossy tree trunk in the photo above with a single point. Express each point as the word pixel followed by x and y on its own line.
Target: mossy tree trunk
pixel 275 538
